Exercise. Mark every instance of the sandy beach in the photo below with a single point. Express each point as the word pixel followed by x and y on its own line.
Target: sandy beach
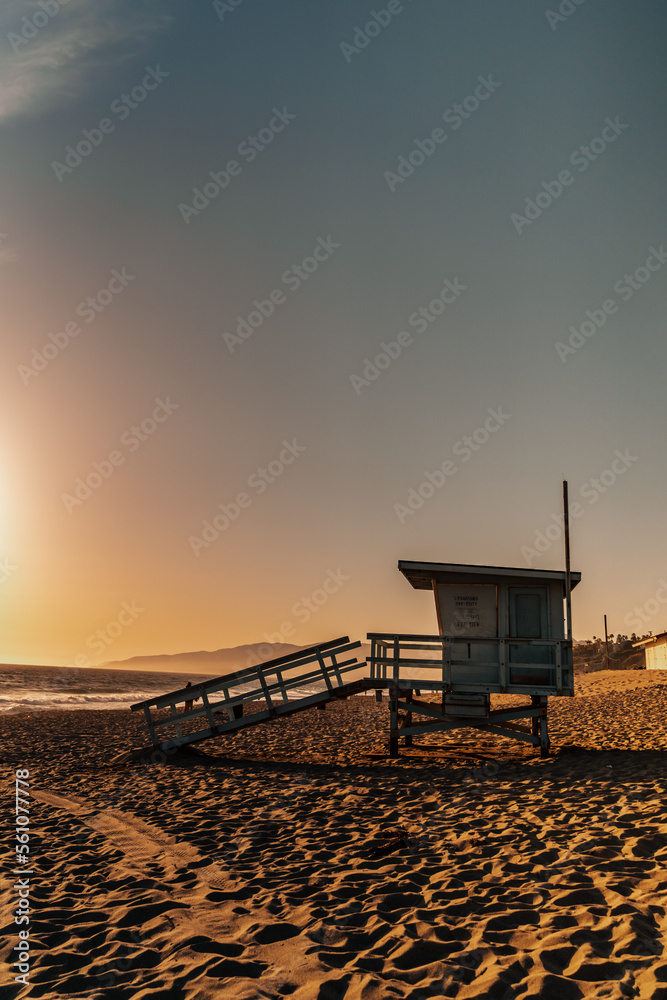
pixel 295 859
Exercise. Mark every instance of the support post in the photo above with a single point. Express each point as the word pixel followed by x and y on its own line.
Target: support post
pixel 544 727
pixel 502 658
pixel 408 719
pixel 393 722
pixel 535 720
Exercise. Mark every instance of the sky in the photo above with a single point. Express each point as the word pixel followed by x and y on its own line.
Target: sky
pixel 293 291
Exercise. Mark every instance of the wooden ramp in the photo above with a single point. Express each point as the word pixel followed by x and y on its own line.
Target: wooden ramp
pixel 220 711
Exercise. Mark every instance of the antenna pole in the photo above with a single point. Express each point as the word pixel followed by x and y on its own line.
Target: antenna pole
pixel 568 588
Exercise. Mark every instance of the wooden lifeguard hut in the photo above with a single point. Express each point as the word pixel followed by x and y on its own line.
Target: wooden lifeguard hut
pixel 500 630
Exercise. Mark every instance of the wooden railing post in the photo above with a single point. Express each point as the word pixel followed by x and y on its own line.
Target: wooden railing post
pixel 334 667
pixel 265 689
pixel 323 668
pixel 447 664
pixel 209 713
pixel 502 657
pixel 393 703
pixel 151 727
pixel 174 715
pixel 281 682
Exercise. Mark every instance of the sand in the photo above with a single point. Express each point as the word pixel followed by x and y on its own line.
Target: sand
pixel 297 860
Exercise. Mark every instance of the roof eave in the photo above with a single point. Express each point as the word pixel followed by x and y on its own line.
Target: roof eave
pixel 434 569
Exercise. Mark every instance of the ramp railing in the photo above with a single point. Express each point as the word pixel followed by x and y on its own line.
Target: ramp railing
pixel 268 682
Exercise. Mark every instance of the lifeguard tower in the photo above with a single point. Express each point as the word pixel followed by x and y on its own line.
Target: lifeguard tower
pixel 500 630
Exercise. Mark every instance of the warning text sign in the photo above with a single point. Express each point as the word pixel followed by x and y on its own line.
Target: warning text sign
pixel 468 610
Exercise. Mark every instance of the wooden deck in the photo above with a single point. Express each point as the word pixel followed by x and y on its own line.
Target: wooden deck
pixel 486 665
pixel 403 665
pixel 452 667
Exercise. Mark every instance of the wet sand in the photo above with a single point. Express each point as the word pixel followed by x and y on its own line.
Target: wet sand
pixel 295 859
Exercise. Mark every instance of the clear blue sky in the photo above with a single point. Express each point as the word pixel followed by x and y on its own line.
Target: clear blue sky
pixel 497 168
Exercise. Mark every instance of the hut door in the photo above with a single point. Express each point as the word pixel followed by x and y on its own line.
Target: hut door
pixel 529 620
pixel 528 612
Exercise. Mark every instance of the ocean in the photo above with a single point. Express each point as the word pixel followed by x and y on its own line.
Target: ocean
pixel 28 689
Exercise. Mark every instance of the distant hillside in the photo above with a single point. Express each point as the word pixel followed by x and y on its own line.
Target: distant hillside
pixel 204 661
pixel 217 661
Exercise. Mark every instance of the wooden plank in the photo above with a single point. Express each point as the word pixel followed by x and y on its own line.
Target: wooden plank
pixel 438 639
pixel 454 723
pixel 386 661
pixel 524 737
pixel 513 713
pixel 434 711
pixel 423 708
pixel 409 636
pixel 462 688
